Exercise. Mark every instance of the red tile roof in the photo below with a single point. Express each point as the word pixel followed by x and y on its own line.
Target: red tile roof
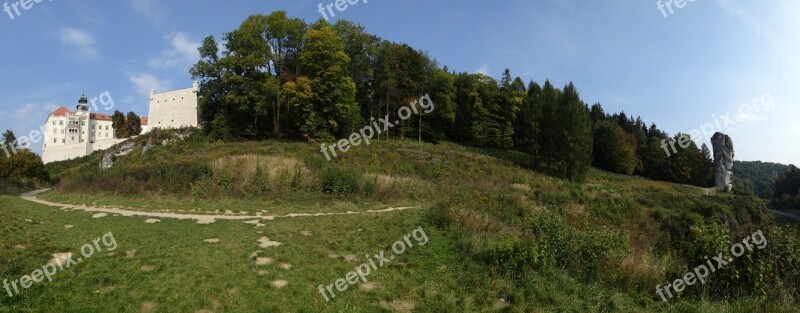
pixel 98 116
pixel 61 111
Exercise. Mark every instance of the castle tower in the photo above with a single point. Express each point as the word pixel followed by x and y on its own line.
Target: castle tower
pixel 174 109
pixel 77 123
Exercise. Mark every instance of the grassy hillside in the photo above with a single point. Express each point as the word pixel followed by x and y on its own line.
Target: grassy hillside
pixel 503 238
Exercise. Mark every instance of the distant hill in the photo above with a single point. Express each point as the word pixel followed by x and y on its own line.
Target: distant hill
pixel 757 177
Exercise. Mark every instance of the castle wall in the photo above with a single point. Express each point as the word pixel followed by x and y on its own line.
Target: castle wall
pixel 173 109
pixel 104 144
pixel 64 152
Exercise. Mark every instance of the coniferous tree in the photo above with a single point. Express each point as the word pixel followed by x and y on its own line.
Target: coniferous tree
pixel 119 124
pixel 10 139
pixel 133 124
pixel 614 149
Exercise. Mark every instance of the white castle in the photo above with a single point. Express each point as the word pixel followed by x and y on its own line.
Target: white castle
pixel 70 135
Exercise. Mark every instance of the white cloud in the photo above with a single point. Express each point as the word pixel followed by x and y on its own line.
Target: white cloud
pixel 483 70
pixel 26 119
pixel 144 82
pixel 148 9
pixel 31 111
pixel 182 53
pixel 80 39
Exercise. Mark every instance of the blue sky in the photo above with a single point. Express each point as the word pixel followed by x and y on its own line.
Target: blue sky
pixel 702 61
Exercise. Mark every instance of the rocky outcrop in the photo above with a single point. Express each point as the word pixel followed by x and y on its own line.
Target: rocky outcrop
pixel 723 161
pixel 116 151
pixel 156 138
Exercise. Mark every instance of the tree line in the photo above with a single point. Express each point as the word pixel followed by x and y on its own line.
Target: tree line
pixel 281 78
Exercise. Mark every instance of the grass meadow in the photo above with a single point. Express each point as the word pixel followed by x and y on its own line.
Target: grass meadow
pixel 502 238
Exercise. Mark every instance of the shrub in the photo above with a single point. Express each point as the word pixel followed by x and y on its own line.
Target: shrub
pixel 337 181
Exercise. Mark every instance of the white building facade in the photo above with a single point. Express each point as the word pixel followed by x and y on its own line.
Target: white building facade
pixel 69 135
pixel 174 109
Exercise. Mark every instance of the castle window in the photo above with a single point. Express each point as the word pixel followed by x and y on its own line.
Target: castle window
pixel 60 123
pixel 63 140
pixel 54 140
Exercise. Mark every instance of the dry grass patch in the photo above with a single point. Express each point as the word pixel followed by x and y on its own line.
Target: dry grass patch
pixel 280 173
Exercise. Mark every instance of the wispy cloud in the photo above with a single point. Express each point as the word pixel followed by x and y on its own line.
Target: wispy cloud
pixel 483 70
pixel 148 8
pixel 734 8
pixel 80 39
pixel 182 52
pixel 30 110
pixel 144 82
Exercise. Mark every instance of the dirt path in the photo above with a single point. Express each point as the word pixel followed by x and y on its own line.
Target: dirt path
pixel 200 218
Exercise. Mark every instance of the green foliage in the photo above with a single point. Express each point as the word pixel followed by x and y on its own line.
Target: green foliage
pixel 339 181
pixel 332 110
pixel 787 190
pixel 22 170
pixel 614 149
pixel 10 139
pixel 757 177
pixel 260 183
pixel 120 125
pixel 134 124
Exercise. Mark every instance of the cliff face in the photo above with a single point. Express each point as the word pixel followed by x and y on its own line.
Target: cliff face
pixel 723 161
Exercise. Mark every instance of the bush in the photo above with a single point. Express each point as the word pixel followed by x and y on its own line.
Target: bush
pixel 337 181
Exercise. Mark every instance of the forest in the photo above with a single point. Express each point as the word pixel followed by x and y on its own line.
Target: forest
pixel 281 78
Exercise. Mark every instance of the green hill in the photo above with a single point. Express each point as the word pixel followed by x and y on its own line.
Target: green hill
pixel 516 239
pixel 757 177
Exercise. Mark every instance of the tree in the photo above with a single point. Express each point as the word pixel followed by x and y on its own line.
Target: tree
pixel 133 124
pixel 208 73
pixel 614 149
pixel 23 165
pixel 787 190
pixel 333 110
pixel 526 129
pixel 119 124
pixel 362 48
pixel 597 113
pixel 285 39
pixel 10 139
pixel 433 126
pixel 576 127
